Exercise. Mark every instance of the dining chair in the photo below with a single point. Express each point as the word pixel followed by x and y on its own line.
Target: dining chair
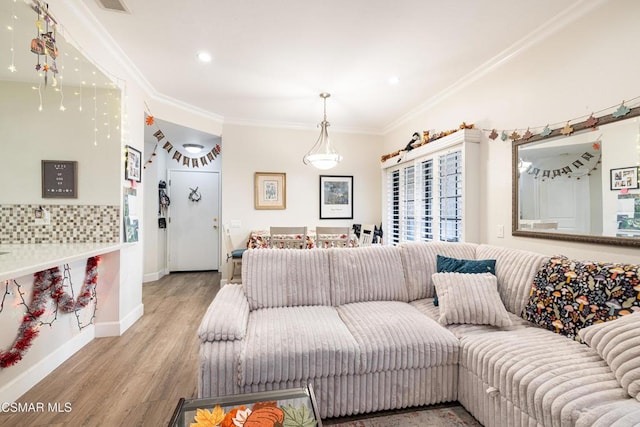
pixel 235 255
pixel 366 234
pixel 288 237
pixel 332 237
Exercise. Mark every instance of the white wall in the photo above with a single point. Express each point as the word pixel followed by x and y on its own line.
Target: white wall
pixel 30 136
pixel 247 149
pixel 584 67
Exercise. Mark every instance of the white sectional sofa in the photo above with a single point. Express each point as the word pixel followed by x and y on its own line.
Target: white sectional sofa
pixel 360 325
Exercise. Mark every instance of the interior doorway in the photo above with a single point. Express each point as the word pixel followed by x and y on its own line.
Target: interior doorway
pixel 194 220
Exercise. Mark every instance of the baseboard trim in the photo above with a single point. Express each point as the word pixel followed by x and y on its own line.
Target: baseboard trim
pixel 115 329
pixel 152 277
pixel 24 382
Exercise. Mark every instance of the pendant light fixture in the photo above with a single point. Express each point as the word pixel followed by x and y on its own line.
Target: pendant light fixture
pixel 322 155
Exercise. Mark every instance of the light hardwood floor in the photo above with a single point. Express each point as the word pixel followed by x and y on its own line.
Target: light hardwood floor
pixel 135 379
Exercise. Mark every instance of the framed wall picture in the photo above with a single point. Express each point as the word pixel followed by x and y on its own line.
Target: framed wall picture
pixel 270 190
pixel 133 164
pixel 624 178
pixel 59 179
pixel 336 197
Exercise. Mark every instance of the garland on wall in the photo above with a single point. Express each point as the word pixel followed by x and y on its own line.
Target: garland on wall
pixel 177 155
pixel 49 285
pixel 624 110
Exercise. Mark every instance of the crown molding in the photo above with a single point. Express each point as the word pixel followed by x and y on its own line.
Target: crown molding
pixel 567 16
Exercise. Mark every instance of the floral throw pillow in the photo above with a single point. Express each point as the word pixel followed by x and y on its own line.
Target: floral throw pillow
pixel 569 295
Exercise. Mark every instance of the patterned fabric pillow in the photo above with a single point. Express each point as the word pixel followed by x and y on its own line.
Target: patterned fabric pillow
pixel 454 265
pixel 618 343
pixel 568 295
pixel 470 299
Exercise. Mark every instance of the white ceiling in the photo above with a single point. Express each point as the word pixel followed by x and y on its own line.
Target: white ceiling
pixel 273 57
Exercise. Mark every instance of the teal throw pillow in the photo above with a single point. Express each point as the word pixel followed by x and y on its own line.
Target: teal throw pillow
pixel 471 266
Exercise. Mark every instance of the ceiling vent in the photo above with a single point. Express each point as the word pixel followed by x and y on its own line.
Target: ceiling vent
pixel 114 5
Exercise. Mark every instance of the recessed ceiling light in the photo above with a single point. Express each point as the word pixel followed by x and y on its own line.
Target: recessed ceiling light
pixel 394 80
pixel 204 56
pixel 193 148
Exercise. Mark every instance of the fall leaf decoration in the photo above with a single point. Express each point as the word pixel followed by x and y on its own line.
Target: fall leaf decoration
pixel 493 135
pixel 230 416
pixel 205 418
pixel 298 417
pixel 150 120
pixel 591 121
pixel 567 129
pixel 622 111
pixel 515 135
pixel 527 134
pixel 546 131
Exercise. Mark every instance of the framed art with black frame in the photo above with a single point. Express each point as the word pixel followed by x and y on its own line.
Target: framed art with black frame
pixel 336 197
pixel 624 178
pixel 133 164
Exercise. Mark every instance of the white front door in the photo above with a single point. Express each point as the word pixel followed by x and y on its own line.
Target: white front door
pixel 193 229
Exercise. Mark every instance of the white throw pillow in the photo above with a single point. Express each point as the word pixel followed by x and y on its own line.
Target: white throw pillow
pixel 470 298
pixel 618 343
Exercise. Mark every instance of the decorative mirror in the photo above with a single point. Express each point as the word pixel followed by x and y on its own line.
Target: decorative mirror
pixel 580 182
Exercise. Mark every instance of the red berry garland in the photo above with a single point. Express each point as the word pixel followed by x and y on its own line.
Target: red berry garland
pixel 44 281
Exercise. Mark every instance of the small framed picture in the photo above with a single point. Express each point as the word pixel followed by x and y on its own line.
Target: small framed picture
pixel 133 164
pixel 624 178
pixel 270 190
pixel 59 179
pixel 336 197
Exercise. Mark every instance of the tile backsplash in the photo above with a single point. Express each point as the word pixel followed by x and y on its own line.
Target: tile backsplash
pixel 68 224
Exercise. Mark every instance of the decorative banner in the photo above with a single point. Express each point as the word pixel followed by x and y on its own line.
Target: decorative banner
pixel 177 156
pixel 569 127
pixel 566 170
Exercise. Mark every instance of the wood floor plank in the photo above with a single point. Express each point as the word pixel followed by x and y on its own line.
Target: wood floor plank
pixel 135 379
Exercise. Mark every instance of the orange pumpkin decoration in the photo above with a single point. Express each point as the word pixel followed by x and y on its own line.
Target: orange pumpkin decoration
pixel 265 417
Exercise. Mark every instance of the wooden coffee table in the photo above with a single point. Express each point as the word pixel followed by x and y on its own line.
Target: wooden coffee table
pixel 277 405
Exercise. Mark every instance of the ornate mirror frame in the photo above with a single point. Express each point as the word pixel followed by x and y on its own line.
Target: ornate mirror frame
pixel 562 132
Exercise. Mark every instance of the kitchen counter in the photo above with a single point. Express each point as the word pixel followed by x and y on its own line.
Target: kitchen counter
pixel 18 260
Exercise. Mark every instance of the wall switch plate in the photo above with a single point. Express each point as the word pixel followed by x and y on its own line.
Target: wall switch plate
pixel 41 216
pixel 500 231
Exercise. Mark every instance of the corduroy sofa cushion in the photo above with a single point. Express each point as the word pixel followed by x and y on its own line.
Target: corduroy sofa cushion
pixel 618 342
pixel 227 316
pixel 297 343
pixel 515 270
pixel 419 263
pixel 371 273
pixel 393 335
pixel 470 298
pixel 286 277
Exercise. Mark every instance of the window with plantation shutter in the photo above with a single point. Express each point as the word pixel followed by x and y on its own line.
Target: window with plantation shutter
pixel 425 192
pixel 393 207
pixel 450 197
